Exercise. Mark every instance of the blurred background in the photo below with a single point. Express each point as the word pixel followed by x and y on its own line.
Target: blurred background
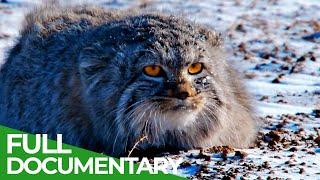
pixel 275 44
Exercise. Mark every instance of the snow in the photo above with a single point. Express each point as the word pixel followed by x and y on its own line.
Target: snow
pixel 267 88
pixel 266 26
pixel 274 109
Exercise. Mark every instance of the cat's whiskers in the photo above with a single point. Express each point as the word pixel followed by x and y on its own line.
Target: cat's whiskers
pixel 148 112
pixel 137 110
pixel 206 118
pixel 121 111
pixel 132 112
pixel 159 119
pixel 117 111
pixel 155 121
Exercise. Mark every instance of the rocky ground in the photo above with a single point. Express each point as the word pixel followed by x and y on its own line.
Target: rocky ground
pixel 276 46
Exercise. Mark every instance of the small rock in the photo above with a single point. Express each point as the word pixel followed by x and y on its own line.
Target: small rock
pixel 316 113
pixel 185 164
pixel 312 37
pixel 301 171
pixel 264 98
pixel 276 80
pixel 242 47
pixel 301 59
pixel 274 136
pixel 293 149
pixel 227 178
pixel 317 140
pixel 240 28
pixel 241 154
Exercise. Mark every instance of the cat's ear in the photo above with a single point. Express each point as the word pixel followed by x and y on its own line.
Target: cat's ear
pixel 211 36
pixel 89 68
pixel 94 59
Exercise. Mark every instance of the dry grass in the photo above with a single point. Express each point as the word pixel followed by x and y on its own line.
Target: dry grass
pixel 136 144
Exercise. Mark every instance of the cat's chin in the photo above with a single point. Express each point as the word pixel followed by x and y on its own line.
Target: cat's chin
pixel 179 119
pixel 179 114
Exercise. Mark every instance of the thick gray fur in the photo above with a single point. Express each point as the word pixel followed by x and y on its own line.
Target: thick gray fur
pixel 78 71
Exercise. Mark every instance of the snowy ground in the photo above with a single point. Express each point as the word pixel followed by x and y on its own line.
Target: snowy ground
pixel 282 71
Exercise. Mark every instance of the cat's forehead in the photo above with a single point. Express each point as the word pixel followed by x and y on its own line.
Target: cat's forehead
pixel 169 34
pixel 164 40
pixel 173 56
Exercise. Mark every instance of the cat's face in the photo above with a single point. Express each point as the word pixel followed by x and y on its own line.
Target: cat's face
pixel 170 91
pixel 158 85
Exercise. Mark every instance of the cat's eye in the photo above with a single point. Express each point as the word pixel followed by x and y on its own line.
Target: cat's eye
pixel 195 68
pixel 152 70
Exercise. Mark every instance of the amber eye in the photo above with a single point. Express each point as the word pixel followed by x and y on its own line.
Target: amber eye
pixel 195 68
pixel 152 70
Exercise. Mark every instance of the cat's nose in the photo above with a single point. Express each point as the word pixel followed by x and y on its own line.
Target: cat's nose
pixel 180 90
pixel 182 95
pixel 178 94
